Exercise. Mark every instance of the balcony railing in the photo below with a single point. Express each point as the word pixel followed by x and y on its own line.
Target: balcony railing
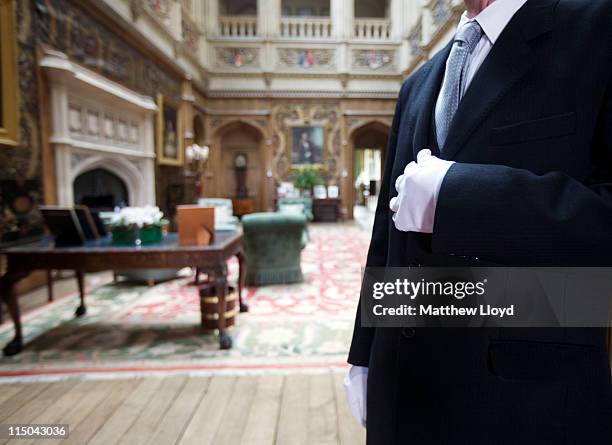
pixel 372 29
pixel 238 26
pixel 305 27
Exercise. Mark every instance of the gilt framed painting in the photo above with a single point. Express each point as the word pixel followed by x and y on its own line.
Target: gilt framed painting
pixel 307 145
pixel 169 130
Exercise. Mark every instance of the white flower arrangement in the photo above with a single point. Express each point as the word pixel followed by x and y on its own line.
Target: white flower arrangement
pixel 197 153
pixel 137 216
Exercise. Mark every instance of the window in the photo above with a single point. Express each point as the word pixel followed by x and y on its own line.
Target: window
pixel 368 9
pixel 238 7
pixel 305 8
pixel 8 74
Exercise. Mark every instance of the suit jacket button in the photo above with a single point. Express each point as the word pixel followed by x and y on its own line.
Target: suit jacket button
pixel 408 332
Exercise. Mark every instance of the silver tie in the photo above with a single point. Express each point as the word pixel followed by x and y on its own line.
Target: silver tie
pixel 450 95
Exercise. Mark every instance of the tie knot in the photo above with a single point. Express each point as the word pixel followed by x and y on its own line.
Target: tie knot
pixel 469 35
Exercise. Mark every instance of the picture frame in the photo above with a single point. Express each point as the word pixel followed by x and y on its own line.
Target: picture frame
pixel 9 82
pixel 169 132
pixel 306 143
pixel 64 225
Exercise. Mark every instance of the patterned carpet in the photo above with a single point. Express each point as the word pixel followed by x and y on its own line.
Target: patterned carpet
pixel 132 328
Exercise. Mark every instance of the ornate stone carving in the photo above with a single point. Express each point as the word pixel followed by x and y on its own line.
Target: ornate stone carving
pixel 190 34
pixel 75 119
pixel 373 59
pixel 237 57
pixel 285 116
pixel 352 122
pixel 440 11
pixel 160 9
pixel 78 158
pixel 93 123
pixel 64 26
pixel 415 40
pixel 88 121
pixel 306 58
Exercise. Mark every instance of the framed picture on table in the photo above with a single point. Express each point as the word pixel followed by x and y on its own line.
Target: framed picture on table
pixel 169 133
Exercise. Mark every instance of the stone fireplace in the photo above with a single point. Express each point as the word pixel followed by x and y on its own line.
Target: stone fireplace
pixel 103 137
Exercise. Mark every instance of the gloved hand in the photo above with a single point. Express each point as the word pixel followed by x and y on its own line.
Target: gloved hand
pixel 418 189
pixel 355 390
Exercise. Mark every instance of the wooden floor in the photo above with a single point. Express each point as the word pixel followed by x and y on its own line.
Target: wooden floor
pixel 221 410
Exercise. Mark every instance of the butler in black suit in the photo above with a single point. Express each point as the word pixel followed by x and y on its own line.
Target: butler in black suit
pixel 517 114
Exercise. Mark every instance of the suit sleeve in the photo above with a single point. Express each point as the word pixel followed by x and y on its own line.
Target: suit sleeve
pixel 359 353
pixel 514 217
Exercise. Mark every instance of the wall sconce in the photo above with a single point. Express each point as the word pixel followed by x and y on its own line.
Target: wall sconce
pixel 195 158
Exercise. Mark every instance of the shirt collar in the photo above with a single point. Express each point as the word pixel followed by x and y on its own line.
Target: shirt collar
pixel 495 17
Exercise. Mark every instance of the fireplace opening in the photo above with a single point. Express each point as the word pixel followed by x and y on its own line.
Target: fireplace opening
pixel 100 189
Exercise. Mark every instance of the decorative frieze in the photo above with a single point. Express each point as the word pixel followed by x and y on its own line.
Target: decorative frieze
pixel 190 34
pixel 415 40
pixel 373 59
pixel 304 58
pixel 116 129
pixel 237 57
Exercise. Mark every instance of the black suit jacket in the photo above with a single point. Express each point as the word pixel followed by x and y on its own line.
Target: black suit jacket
pixel 532 186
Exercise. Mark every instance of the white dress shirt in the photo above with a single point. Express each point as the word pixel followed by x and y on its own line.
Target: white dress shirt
pixel 493 20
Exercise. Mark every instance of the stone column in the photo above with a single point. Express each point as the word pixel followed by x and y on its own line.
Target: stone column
pixel 211 17
pixel 397 14
pixel 274 13
pixel 262 18
pixel 341 14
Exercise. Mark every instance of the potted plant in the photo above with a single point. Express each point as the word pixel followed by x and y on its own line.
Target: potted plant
pixel 306 178
pixel 133 226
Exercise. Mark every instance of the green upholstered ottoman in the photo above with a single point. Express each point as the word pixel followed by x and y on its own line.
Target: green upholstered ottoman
pixel 273 243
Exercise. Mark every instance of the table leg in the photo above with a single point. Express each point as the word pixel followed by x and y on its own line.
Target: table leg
pixel 49 285
pixel 9 296
pixel 220 280
pixel 242 265
pixel 81 310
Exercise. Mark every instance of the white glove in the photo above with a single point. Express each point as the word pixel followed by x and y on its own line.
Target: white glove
pixel 356 391
pixel 418 189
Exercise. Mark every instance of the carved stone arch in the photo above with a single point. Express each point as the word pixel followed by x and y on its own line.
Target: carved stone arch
pixel 383 124
pixel 122 168
pixel 219 171
pixel 227 124
pixel 359 127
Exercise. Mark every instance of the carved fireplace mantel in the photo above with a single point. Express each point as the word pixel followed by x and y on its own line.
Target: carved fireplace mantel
pixel 97 123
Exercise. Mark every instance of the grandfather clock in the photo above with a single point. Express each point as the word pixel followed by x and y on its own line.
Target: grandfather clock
pixel 242 203
pixel 240 170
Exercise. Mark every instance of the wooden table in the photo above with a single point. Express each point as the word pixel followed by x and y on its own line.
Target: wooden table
pixel 326 209
pixel 96 256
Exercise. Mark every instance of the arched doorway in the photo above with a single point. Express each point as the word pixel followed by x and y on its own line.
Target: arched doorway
pixel 369 145
pixel 100 189
pixel 240 141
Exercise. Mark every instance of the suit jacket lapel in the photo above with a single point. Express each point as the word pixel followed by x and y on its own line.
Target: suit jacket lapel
pixel 509 60
pixel 424 102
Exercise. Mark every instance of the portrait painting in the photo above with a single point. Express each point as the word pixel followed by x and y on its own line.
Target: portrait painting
pixel 307 144
pixel 169 147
